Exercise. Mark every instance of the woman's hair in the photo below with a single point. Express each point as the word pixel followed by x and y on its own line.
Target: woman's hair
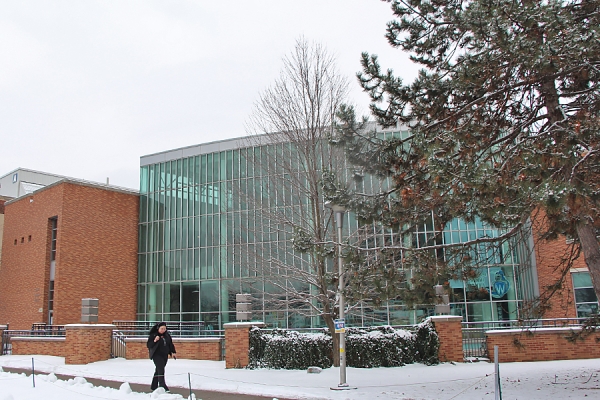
pixel 154 329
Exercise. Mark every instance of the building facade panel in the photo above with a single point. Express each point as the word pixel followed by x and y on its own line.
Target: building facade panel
pixel 94 255
pixel 24 275
pixel 21 181
pixel 2 201
pixel 206 224
pixel 97 255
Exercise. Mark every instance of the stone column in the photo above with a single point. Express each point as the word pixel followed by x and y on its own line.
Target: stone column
pixel 449 330
pixel 237 343
pixel 87 343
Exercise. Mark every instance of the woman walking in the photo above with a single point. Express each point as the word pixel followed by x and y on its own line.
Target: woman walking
pixel 160 347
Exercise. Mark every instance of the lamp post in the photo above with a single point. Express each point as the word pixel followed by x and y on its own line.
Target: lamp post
pixel 339 221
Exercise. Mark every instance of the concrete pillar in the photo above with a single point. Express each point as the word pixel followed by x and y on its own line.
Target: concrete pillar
pixel 237 343
pixel 449 330
pixel 87 343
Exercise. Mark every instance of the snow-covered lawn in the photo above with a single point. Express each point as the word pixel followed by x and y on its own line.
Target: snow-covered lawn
pixel 540 380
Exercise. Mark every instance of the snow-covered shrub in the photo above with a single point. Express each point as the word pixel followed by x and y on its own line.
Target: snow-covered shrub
pixel 283 349
pixel 256 348
pixel 427 343
pixel 381 346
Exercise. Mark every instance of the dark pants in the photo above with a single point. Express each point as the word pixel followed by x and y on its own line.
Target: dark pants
pixel 159 373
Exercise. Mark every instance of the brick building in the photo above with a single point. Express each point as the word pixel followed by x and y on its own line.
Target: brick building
pixel 64 242
pixel 3 199
pixel 565 290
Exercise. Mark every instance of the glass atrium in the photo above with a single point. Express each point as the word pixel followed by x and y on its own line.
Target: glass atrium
pixel 200 243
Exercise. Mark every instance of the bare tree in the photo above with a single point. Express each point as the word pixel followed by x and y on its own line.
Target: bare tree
pixel 290 129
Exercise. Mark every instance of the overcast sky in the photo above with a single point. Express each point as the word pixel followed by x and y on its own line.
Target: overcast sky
pixel 87 87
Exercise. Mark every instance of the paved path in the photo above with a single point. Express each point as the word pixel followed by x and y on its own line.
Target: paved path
pixel 136 387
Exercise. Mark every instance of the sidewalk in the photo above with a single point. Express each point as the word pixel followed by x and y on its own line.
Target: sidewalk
pixel 138 387
pixel 574 379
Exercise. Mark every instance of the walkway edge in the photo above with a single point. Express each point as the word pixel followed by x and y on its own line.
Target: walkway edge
pixel 137 387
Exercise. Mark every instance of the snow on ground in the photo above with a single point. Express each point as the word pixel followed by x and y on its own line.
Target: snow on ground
pixel 577 379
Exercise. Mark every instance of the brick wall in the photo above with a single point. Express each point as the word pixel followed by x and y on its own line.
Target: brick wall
pixel 48 346
pixel 97 239
pixel 25 258
pixel 237 343
pixel 548 255
pixel 96 254
pixel 449 330
pixel 187 348
pixel 1 228
pixel 88 343
pixel 541 345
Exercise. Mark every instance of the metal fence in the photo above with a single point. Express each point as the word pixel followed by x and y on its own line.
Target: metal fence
pixel 36 331
pixel 138 329
pixel 176 328
pixel 118 346
pixel 474 339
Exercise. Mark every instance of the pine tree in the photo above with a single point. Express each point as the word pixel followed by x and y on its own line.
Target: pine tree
pixel 504 116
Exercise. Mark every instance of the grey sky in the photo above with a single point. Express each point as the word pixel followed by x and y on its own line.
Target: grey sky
pixel 87 87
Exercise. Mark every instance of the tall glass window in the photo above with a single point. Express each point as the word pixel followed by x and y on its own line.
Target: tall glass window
pixel 205 233
pixel 585 297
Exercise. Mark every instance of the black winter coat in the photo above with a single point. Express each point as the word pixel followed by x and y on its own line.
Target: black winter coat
pixel 163 347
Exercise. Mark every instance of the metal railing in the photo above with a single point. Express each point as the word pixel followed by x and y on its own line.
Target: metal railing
pixel 177 329
pixel 118 346
pixel 47 331
pixel 474 338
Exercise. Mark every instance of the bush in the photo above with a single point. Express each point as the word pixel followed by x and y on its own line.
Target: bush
pixel 281 349
pixel 381 346
pixel 427 344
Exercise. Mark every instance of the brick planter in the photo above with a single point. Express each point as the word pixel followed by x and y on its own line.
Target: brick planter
pixel 189 348
pixel 46 346
pixel 541 344
pixel 87 343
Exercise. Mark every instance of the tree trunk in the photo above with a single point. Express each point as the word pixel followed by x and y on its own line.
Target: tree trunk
pixel 591 251
pixel 335 339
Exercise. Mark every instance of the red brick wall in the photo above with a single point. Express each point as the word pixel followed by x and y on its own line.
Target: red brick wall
pixel 548 254
pixel 88 343
pixel 1 227
pixel 187 348
pixel 97 239
pixel 449 330
pixel 96 255
pixel 237 343
pixel 38 346
pixel 546 345
pixel 25 265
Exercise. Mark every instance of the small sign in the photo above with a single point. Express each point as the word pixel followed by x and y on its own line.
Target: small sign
pixel 500 286
pixel 340 326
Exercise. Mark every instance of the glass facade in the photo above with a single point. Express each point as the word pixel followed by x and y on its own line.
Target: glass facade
pixel 202 238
